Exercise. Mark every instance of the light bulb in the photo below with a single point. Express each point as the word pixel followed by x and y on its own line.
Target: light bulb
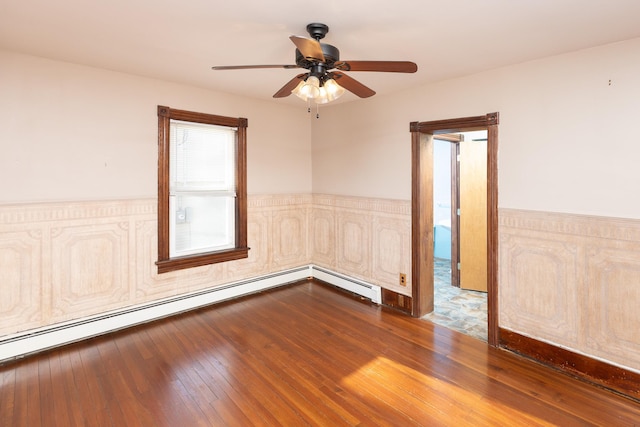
pixel 323 97
pixel 310 88
pixel 298 91
pixel 333 89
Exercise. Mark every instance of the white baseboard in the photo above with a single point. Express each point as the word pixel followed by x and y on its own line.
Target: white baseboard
pixel 36 340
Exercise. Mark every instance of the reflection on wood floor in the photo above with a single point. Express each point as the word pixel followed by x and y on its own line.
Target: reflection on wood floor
pixel 458 309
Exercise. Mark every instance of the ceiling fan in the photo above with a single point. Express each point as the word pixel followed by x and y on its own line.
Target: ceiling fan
pixel 325 81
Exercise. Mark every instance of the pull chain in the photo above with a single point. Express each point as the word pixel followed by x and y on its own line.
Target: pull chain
pixel 317 108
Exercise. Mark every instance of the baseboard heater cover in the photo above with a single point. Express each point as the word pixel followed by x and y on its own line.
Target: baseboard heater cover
pixel 35 340
pixel 367 290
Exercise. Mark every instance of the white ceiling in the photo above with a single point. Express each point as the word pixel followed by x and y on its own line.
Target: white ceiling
pixel 179 40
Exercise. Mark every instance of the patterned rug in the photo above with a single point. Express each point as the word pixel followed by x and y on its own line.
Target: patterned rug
pixel 457 309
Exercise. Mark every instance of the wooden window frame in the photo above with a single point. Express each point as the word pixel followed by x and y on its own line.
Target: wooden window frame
pixel 165 263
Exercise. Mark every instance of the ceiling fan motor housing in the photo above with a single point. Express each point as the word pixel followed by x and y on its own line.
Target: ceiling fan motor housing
pixel 331 55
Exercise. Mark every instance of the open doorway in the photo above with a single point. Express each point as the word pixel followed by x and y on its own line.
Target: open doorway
pixel 459 230
pixel 422 135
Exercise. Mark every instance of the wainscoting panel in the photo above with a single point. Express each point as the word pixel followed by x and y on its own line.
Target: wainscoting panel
pixel 530 266
pixel 322 236
pixel 259 241
pixel 364 238
pixel 613 295
pixel 290 237
pixel 35 340
pixel 90 262
pixel 66 261
pixel 149 284
pixel 354 243
pixel 568 280
pixel 572 281
pixel 21 298
pixel 392 251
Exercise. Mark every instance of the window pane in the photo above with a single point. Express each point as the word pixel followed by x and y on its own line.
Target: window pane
pixel 202 157
pixel 201 223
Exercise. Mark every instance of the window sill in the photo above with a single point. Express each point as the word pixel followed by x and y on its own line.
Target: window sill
pixel 172 264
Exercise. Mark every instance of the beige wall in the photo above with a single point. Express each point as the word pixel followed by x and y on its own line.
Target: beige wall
pixel 77 133
pixel 567 137
pixel 567 144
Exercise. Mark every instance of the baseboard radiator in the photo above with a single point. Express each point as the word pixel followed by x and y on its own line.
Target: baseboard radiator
pixel 367 290
pixel 22 344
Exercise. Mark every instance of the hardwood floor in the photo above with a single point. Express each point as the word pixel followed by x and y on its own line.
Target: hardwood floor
pixel 305 354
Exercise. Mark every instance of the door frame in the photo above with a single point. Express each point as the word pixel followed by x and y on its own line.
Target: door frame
pixel 422 134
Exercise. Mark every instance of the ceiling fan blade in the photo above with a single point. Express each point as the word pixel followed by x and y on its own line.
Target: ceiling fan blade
pixel 384 66
pixel 289 86
pixel 352 85
pixel 309 48
pixel 249 67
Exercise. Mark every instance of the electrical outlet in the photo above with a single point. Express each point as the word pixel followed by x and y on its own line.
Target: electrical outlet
pixel 403 279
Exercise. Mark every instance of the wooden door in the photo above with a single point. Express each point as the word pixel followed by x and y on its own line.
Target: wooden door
pixel 473 215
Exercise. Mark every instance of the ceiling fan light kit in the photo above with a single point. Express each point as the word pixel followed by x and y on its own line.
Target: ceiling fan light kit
pixel 320 84
pixel 319 91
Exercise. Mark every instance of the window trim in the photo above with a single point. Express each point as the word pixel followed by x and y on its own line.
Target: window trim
pixel 165 263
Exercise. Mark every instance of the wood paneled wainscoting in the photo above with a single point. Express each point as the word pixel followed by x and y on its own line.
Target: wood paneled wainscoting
pixel 304 354
pixel 68 261
pixel 570 292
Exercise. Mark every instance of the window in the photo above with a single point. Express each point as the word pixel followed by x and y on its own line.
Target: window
pixel 202 191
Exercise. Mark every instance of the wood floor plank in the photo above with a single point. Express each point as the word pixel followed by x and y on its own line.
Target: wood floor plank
pixel 294 374
pixel 466 350
pixel 257 400
pixel 402 394
pixel 86 399
pixel 321 352
pixel 28 374
pixel 174 407
pixel 244 373
pixel 454 374
pixel 133 366
pixel 47 407
pixel 62 378
pixel 265 357
pixel 8 394
pixel 311 350
pixel 304 354
pixel 493 366
pixel 231 406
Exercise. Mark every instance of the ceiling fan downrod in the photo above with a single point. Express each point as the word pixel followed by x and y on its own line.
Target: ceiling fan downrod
pixel 317 30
